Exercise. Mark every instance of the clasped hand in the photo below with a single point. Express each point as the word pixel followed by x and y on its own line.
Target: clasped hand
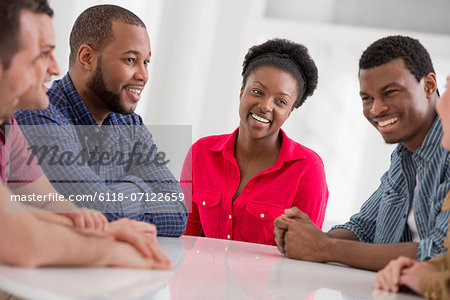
pixel 402 271
pixel 298 237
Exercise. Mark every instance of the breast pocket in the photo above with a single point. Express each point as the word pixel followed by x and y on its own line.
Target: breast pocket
pixel 261 217
pixel 393 210
pixel 392 198
pixel 209 210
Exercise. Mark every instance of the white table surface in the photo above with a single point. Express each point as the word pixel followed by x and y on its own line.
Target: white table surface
pixel 203 269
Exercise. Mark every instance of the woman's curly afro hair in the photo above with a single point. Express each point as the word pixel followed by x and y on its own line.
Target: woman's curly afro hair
pixel 287 56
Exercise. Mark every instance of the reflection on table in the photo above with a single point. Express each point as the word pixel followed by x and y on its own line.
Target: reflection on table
pixel 203 269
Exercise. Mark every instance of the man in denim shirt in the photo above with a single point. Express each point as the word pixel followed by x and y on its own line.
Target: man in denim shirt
pixel 402 217
pixel 104 161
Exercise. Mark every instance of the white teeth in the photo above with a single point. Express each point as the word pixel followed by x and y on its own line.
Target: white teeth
pixel 387 122
pixel 136 91
pixel 260 119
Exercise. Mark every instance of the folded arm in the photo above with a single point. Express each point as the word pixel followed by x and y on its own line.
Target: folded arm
pixel 304 240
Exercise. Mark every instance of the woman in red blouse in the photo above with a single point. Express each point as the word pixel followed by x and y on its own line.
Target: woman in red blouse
pixel 239 183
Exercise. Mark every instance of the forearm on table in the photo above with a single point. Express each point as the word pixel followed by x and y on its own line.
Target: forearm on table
pixel 55 218
pixel 27 240
pixel 45 215
pixel 33 211
pixel 30 242
pixel 46 197
pixel 40 188
pixel 342 234
pixel 367 255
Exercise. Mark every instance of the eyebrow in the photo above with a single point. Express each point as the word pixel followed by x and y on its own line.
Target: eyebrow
pixel 260 83
pixel 284 94
pixel 48 46
pixel 391 84
pixel 135 52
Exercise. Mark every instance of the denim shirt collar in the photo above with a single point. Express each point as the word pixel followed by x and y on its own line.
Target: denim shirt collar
pixel 429 144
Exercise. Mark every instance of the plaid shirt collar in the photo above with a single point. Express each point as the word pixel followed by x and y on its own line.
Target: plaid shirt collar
pixel 83 116
pixel 429 144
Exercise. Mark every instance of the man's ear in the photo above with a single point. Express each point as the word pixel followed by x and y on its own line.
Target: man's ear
pixel 430 84
pixel 86 57
pixel 240 93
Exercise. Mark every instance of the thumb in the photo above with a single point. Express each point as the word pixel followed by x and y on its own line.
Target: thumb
pixel 295 212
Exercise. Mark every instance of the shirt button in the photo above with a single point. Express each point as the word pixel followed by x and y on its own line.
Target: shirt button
pixel 229 217
pixel 204 203
pixel 228 236
pixel 262 215
pixel 97 130
pixel 86 138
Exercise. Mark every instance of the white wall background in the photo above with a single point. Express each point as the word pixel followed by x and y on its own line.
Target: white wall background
pixel 197 52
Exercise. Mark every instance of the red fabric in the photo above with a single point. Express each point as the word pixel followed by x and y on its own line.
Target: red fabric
pixel 210 177
pixel 14 155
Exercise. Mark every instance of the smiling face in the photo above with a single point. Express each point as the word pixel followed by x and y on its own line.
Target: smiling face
pixel 121 72
pixel 443 109
pixel 398 106
pixel 45 66
pixel 266 102
pixel 21 74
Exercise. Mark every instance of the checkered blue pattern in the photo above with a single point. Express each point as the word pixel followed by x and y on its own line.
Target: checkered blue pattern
pixel 68 111
pixel 383 217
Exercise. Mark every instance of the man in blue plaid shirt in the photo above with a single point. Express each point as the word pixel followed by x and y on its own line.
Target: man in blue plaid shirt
pixel 111 161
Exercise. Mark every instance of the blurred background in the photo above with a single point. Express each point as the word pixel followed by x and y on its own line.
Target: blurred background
pixel 197 51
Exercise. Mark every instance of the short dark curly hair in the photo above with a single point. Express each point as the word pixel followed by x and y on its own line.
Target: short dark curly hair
pixel 416 58
pixel 287 56
pixel 94 27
